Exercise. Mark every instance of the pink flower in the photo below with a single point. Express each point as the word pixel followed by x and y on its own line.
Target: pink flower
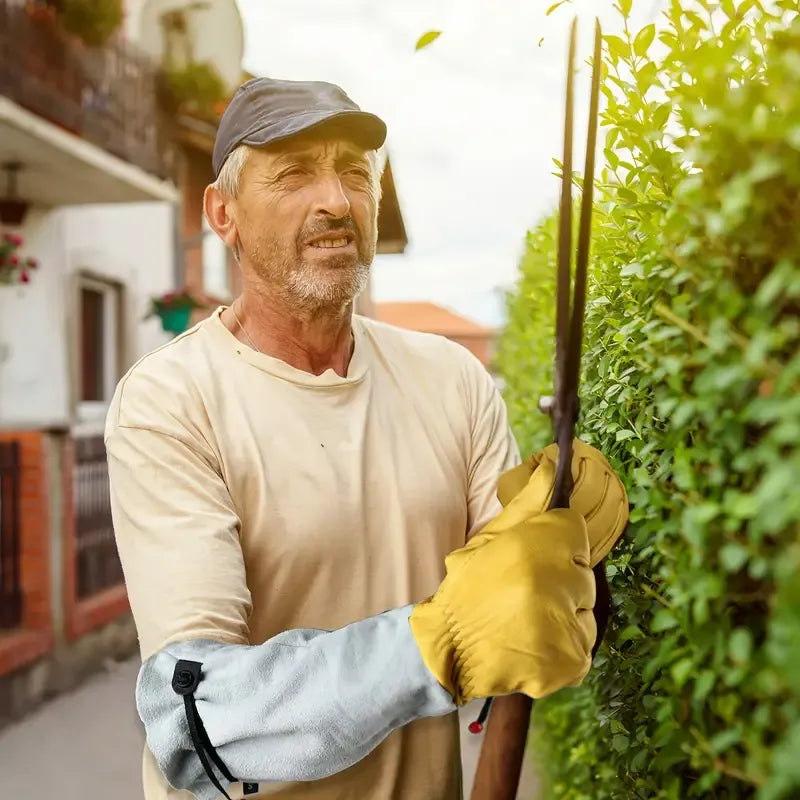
pixel 12 238
pixel 24 277
pixel 13 260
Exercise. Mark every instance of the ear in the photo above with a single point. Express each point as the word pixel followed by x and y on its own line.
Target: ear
pixel 218 211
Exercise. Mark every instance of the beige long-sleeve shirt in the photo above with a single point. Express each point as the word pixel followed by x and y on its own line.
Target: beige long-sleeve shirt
pixel 251 498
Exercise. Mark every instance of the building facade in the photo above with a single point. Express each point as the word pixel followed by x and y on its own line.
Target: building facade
pixel 101 179
pixel 87 186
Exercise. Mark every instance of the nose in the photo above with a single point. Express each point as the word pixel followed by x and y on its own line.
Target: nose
pixel 331 200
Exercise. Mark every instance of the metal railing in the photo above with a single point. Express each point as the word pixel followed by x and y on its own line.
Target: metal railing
pixel 106 95
pixel 98 565
pixel 10 537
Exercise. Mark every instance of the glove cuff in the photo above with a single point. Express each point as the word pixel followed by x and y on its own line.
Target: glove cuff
pixel 431 632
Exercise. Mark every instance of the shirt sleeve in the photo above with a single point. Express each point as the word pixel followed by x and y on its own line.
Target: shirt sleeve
pixel 493 448
pixel 175 524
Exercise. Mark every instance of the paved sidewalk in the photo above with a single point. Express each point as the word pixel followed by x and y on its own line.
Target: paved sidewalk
pixel 87 745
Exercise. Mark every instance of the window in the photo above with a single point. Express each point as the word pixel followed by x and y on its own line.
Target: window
pixel 216 277
pixel 99 344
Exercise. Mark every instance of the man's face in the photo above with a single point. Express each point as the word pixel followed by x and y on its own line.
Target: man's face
pixel 306 219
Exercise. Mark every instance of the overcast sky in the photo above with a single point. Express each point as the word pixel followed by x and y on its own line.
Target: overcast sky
pixel 474 120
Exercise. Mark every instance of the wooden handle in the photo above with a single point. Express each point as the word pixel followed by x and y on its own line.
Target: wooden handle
pixel 500 762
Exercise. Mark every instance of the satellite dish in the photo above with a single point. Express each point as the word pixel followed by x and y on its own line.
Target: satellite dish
pixel 192 30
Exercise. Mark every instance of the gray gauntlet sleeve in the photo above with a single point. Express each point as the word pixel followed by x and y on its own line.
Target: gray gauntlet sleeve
pixel 304 705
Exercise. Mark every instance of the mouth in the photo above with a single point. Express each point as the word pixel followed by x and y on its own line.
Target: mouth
pixel 332 241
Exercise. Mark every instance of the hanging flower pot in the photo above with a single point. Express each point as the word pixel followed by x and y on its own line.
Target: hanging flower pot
pixel 176 320
pixel 174 309
pixel 14 268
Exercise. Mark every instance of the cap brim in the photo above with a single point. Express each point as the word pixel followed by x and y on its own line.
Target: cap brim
pixel 362 128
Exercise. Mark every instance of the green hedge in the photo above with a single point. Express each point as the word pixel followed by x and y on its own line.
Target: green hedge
pixel 691 386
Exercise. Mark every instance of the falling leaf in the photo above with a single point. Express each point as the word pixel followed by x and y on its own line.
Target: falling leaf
pixel 540 41
pixel 427 38
pixel 554 7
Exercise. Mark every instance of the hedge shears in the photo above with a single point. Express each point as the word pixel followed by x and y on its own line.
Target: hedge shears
pixel 500 763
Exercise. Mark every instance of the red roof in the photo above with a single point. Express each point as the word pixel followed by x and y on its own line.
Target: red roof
pixel 430 318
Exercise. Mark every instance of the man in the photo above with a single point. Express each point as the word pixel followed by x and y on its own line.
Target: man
pixel 287 480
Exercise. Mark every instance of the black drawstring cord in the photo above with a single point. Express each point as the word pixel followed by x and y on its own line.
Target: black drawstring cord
pixel 185 680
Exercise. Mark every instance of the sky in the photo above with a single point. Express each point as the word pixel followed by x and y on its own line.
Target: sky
pixel 474 120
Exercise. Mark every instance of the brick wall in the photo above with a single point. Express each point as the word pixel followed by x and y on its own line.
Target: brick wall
pixel 61 639
pixel 34 636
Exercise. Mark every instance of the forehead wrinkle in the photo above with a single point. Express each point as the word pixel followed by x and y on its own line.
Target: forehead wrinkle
pixel 318 152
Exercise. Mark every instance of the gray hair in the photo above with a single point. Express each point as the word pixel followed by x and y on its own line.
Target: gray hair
pixel 230 175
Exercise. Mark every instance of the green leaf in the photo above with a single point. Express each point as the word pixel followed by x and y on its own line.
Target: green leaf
pixel 649 702
pixel 629 633
pixel 615 726
pixel 617 46
pixel 663 620
pixel 740 646
pixel 725 740
pixel 661 115
pixel 733 556
pixel 625 7
pixel 620 743
pixel 704 684
pixel 644 39
pixel 681 670
pixel 633 268
pixel 426 39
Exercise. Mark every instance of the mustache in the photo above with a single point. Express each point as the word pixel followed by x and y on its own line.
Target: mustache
pixel 327 225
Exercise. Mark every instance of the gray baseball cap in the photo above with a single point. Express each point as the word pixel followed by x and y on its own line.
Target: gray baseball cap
pixel 267 110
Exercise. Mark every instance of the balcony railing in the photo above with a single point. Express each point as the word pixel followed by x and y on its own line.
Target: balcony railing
pixel 105 95
pixel 98 566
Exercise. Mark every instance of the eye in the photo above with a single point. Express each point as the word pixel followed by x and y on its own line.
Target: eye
pixel 292 172
pixel 358 172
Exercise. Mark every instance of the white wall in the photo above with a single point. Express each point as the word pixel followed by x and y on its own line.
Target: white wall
pixel 34 388
pixel 217 32
pixel 128 243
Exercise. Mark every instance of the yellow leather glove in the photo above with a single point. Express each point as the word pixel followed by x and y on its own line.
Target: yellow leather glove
pixel 597 495
pixel 514 611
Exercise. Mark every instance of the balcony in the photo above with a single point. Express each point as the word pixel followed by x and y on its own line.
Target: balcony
pixel 83 122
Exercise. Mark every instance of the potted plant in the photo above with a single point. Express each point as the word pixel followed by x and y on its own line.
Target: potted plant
pixel 14 269
pixel 92 21
pixel 196 88
pixel 174 309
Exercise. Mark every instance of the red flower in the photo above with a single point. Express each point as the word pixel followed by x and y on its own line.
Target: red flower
pixel 13 260
pixel 24 277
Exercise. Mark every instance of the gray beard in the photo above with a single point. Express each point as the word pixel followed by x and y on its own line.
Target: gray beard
pixel 333 289
pixel 305 288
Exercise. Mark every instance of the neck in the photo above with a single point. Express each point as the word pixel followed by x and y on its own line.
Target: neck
pixel 311 341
